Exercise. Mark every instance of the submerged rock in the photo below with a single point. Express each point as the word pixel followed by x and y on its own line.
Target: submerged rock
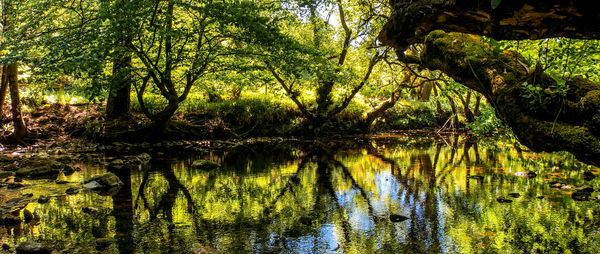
pixel 11 167
pixel 476 177
pixel 93 185
pixel 588 176
pixel 583 193
pixel 68 170
pixel 205 165
pixel 16 185
pixel 90 210
pixel 27 216
pixel 581 196
pixel 502 199
pixel 10 220
pixel 14 205
pixel 38 172
pixel 5 174
pixel 514 195
pixel 72 191
pixel 585 188
pixel 398 218
pixel 104 181
pixel 40 167
pixel 528 174
pixel 43 199
pixel 144 157
pixel 559 185
pixel 30 247
pixel 118 163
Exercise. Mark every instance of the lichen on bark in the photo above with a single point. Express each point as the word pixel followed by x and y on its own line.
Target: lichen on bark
pixel 568 122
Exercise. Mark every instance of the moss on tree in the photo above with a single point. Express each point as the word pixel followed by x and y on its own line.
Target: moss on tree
pixel 556 122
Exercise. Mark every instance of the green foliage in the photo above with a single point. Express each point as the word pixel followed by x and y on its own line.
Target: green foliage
pixel 256 116
pixel 539 96
pixel 91 127
pixel 486 123
pixel 416 115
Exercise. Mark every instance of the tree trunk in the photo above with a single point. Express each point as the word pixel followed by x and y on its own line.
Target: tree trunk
pixel 425 91
pixel 3 90
pixel 477 104
pixel 119 100
pixel 562 123
pixel 438 105
pixel 570 123
pixel 323 100
pixel 19 124
pixel 381 108
pixel 467 110
pixel 453 108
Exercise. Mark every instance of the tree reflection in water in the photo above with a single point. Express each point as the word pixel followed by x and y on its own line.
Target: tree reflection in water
pixel 319 197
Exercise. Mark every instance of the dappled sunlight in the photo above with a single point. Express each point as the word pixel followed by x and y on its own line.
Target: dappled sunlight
pixel 312 199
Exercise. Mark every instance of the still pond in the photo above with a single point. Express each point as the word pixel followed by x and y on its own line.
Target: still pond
pixel 385 194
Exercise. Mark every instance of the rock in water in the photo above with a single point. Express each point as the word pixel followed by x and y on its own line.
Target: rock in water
pixel 93 185
pixel 559 185
pixel 144 157
pixel 583 193
pixel 588 176
pixel 398 218
pixel 37 167
pixel 528 174
pixel 117 164
pixel 72 191
pixel 104 181
pixel 205 165
pixel 38 172
pixel 90 210
pixel 30 247
pixel 43 199
pixel 68 170
pixel 10 220
pixel 514 195
pixel 27 216
pixel 581 196
pixel 502 199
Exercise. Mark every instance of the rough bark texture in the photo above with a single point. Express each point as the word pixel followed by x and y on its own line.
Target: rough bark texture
pixel 3 89
pixel 119 101
pixel 18 124
pixel 412 20
pixel 570 122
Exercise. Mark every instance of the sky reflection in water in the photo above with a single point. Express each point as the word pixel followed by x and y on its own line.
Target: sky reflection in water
pixel 332 197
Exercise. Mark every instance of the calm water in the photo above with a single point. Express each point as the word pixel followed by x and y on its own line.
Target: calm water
pixel 331 197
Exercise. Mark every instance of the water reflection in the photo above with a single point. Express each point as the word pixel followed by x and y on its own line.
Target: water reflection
pixel 335 197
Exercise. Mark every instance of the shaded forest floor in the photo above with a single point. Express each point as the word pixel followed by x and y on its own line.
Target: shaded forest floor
pixel 59 125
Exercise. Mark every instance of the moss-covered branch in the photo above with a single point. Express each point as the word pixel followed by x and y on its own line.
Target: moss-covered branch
pixel 556 120
pixel 412 20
